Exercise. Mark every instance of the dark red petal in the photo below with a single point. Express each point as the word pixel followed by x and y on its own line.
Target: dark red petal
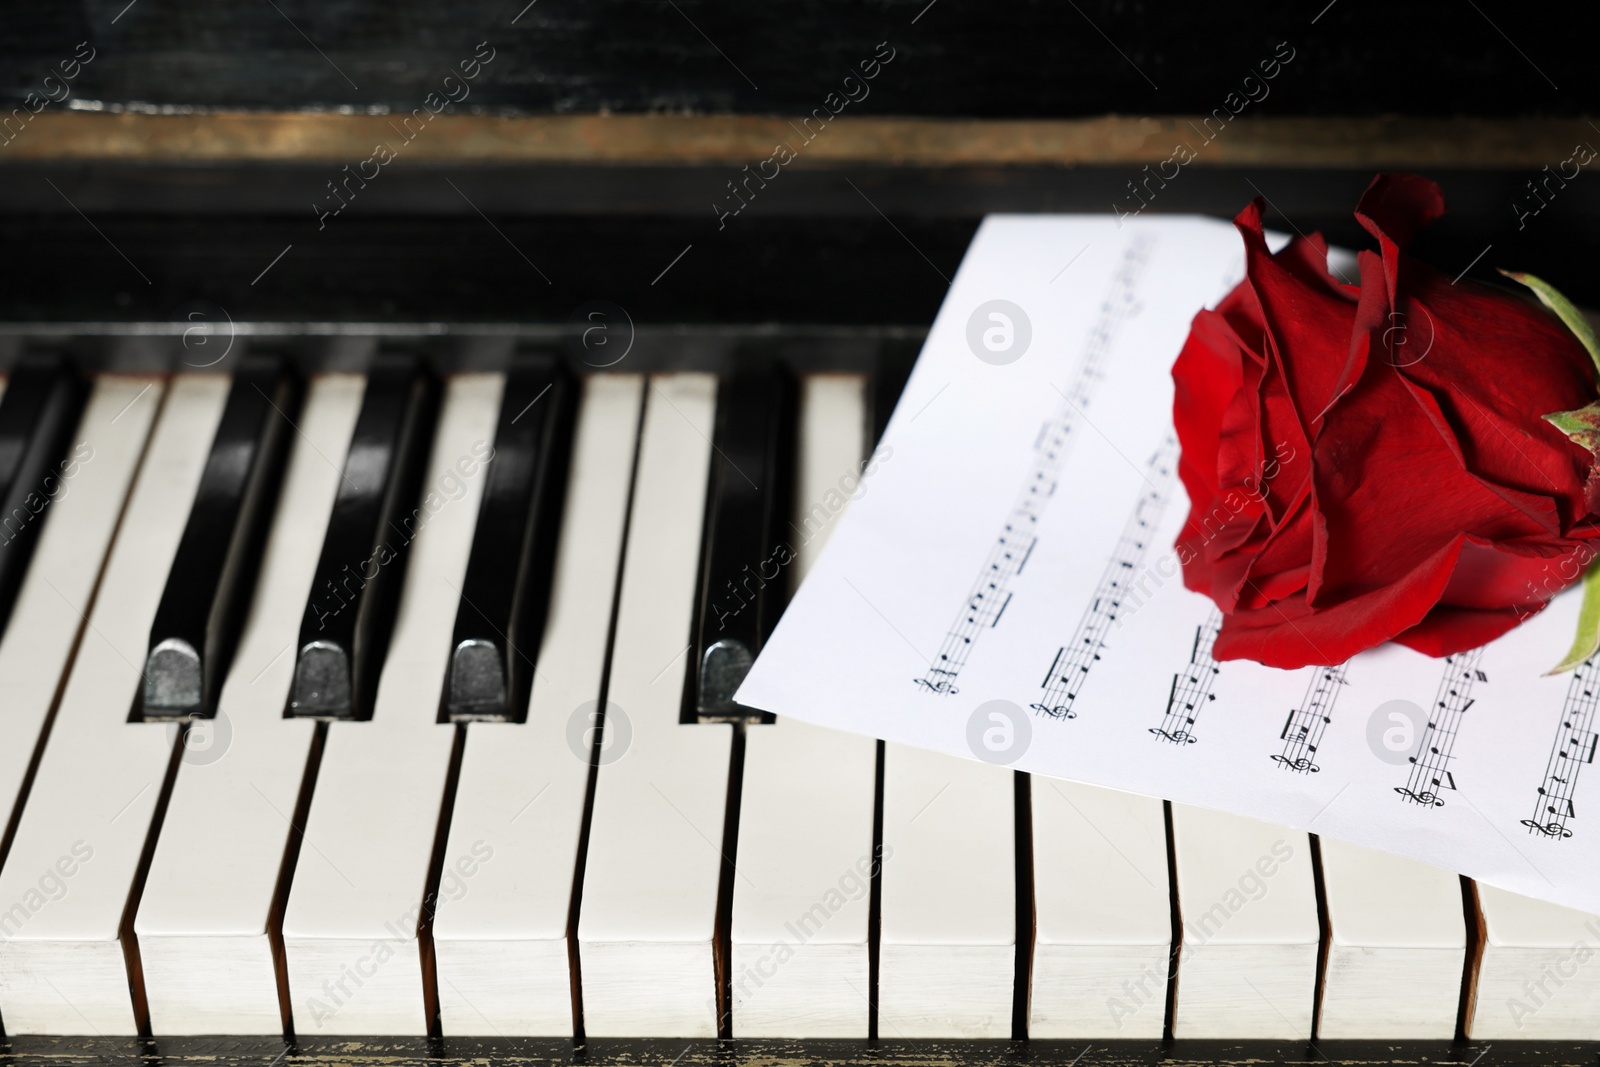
pixel 1396 207
pixel 1206 377
pixel 1283 565
pixel 1513 574
pixel 1495 365
pixel 1447 631
pixel 1214 567
pixel 1239 456
pixel 1307 259
pixel 1525 514
pixel 1309 327
pixel 1371 320
pixel 1289 634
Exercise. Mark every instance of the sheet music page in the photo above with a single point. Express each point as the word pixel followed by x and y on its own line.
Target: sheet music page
pixel 1004 587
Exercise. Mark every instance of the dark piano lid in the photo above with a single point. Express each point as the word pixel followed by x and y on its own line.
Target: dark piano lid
pixel 624 151
pixel 952 57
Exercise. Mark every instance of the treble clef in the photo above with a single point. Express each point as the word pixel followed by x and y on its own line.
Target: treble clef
pixel 1426 798
pixel 1054 711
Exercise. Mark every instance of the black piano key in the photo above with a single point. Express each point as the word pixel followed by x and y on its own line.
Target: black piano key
pixel 744 570
pixel 506 592
pixel 213 573
pixel 350 612
pixel 894 363
pixel 41 407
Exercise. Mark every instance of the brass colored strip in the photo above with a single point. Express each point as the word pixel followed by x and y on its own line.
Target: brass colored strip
pixel 635 140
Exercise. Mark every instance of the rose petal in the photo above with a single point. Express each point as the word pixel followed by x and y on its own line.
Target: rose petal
pixel 1447 630
pixel 1309 320
pixel 1491 398
pixel 1395 208
pixel 1290 635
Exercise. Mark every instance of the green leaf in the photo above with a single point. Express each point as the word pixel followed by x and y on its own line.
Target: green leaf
pixel 1587 640
pixel 1582 425
pixel 1564 309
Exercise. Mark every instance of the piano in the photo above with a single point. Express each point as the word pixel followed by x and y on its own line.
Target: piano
pixel 415 420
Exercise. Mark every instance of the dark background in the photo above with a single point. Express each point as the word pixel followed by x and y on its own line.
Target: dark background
pixel 849 245
pixel 999 59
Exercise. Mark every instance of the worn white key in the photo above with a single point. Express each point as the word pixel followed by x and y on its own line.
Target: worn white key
pixel 947 954
pixel 647 923
pixel 1248 907
pixel 351 928
pixel 1397 940
pixel 205 921
pixel 77 524
pixel 799 935
pixel 831 462
pixel 501 938
pixel 1539 974
pixel 90 809
pixel 1102 911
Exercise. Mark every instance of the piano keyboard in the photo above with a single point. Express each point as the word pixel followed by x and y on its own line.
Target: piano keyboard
pixel 381 704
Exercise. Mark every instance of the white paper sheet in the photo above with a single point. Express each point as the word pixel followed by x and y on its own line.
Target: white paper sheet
pixel 1028 479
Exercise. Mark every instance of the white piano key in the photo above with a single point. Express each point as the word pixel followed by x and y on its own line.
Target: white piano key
pixel 801 906
pixel 351 927
pixel 1538 975
pixel 78 523
pixel 1102 913
pixel 947 954
pixel 647 922
pixel 830 460
pixel 799 933
pixel 501 939
pixel 1397 941
pixel 89 812
pixel 1250 928
pixel 205 917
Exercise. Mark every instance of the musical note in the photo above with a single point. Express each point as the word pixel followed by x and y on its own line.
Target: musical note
pixel 989 593
pixel 1430 773
pixel 1191 687
pixel 1572 750
pixel 1303 730
pixel 1064 681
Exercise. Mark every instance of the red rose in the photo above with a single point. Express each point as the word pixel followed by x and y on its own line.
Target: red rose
pixel 1370 463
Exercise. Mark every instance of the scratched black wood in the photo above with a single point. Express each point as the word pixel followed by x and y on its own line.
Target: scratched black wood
pixel 524 1052
pixel 810 250
pixel 960 57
